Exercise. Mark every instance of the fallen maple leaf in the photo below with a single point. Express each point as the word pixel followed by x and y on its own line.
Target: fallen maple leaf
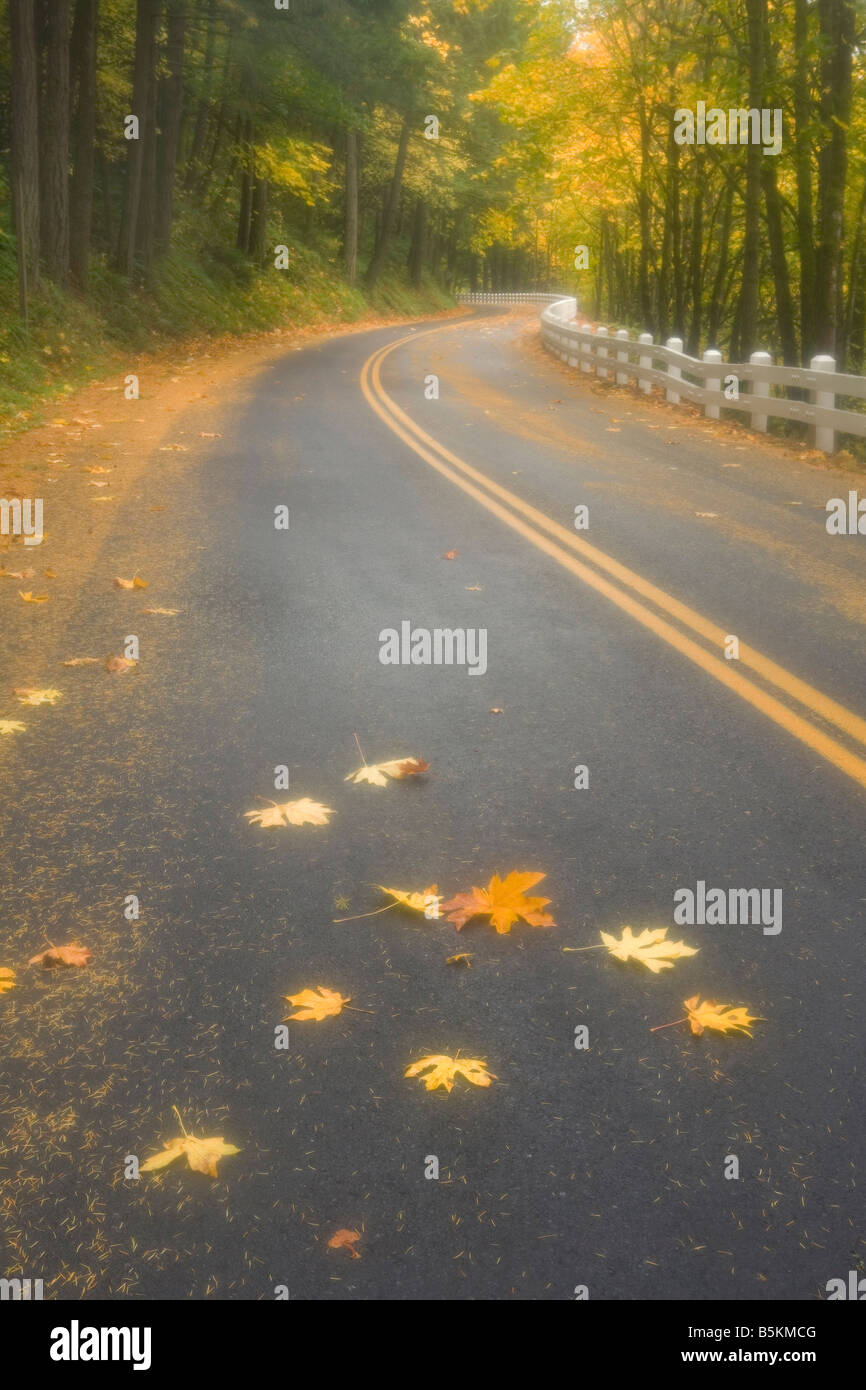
pixel 376 773
pixel 30 597
pixel 202 1155
pixel 419 902
pixel 73 954
pixel 30 695
pixel 317 1003
pixel 650 948
pixel 450 555
pixel 443 1069
pixel 134 583
pixel 345 1240
pixel 462 958
pixel 503 901
pixel 725 1018
pixel 12 726
pixel 7 980
pixel 303 812
pixel 118 665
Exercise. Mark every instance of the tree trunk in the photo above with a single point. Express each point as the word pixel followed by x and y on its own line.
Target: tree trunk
pixel 259 221
pixel 389 217
pixel 145 37
pixel 54 144
pixel 750 284
pixel 836 25
pixel 197 144
pixel 803 161
pixel 350 244
pixel 779 263
pixel 171 108
pixel 83 62
pixel 242 241
pixel 418 247
pixel 25 143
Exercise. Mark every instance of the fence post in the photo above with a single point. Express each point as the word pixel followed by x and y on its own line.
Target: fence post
pixel 645 386
pixel 712 383
pixel 585 350
pixel 601 354
pixel 622 356
pixel 760 388
pixel 675 345
pixel 823 436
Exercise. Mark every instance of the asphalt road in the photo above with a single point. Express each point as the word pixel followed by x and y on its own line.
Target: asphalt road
pixel 602 1167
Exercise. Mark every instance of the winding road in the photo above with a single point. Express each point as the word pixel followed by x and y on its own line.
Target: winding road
pixel 600 1167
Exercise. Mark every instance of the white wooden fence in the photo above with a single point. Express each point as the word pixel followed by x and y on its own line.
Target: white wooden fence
pixel 488 297
pixel 710 382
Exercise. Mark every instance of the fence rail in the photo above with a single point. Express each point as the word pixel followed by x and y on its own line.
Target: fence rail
pixel 708 381
pixel 489 297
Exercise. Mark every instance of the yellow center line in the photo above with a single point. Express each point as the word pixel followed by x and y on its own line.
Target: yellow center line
pixel 467 478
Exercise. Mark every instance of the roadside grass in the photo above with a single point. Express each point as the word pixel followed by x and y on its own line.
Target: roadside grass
pixel 198 290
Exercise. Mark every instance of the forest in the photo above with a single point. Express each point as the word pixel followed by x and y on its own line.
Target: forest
pixel 342 146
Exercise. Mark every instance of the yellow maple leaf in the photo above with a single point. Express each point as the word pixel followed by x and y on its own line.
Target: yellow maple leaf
pixel 419 902
pixel 317 1003
pixel 12 726
pixel 30 597
pixel 302 812
pixel 202 1155
pixel 135 582
pixel 503 901
pixel 29 695
pixel 442 1070
pixel 725 1018
pixel 650 948
pixel 376 773
pixel 7 980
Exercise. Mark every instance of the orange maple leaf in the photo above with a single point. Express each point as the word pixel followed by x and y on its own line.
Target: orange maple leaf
pixel 345 1240
pixel 503 901
pixel 73 954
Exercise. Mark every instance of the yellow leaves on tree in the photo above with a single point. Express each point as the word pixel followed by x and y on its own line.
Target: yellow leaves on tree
pixel 316 1004
pixel 441 1071
pixel 649 948
pixel 303 812
pixel 202 1155
pixel 376 774
pixel 7 980
pixel 503 901
pixel 30 695
pixel 72 954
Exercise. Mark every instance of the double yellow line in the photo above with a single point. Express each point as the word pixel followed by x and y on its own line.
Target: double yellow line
pixel 598 570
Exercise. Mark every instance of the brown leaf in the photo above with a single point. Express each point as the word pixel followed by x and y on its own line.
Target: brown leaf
pixel 73 954
pixel 345 1240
